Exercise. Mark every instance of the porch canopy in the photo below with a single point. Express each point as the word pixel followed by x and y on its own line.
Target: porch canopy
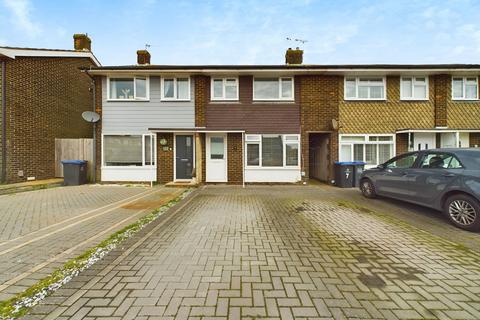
pixel 193 130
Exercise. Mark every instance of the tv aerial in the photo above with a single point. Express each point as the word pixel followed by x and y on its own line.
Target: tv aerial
pixel 302 41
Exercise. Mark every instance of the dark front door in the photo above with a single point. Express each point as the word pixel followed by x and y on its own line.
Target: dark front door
pixel 183 156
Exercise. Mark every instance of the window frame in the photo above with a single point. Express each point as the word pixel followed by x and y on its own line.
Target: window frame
pixel 357 80
pixel 258 138
pixel 175 93
pixel 224 82
pixel 153 150
pixel 280 86
pixel 414 79
pixel 464 82
pixel 135 98
pixel 366 141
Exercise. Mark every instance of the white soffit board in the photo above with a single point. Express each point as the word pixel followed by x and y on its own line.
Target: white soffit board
pixel 14 52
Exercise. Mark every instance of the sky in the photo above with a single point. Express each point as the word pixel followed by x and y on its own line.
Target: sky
pixel 251 31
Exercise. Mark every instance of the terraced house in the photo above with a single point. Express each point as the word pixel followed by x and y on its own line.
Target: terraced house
pixel 275 123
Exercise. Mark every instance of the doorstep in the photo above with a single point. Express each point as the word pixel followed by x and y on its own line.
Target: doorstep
pixel 30 185
pixel 182 184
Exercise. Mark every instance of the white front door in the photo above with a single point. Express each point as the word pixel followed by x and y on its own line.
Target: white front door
pixel 216 162
pixel 424 141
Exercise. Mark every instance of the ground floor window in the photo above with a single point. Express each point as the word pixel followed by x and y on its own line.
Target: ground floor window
pixel 371 149
pixel 272 150
pixel 129 150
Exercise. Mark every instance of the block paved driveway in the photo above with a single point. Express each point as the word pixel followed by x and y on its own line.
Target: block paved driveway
pixel 275 252
pixel 40 230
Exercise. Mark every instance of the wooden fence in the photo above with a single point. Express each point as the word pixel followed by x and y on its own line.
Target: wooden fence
pixel 73 149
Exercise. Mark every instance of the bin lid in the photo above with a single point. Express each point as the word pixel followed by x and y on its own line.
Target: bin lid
pixel 74 161
pixel 350 163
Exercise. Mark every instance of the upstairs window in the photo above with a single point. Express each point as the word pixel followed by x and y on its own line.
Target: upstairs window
pixel 128 88
pixel 362 88
pixel 176 89
pixel 414 88
pixel 273 89
pixel 464 88
pixel 224 89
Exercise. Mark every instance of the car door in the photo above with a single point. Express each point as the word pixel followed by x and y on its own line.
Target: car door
pixel 394 178
pixel 434 173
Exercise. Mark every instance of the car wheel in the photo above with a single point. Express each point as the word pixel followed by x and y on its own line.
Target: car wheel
pixel 463 211
pixel 367 188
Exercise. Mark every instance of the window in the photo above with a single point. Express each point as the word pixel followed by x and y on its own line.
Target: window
pixel 361 88
pixel 272 150
pixel 402 162
pixel 224 89
pixel 414 88
pixel 176 89
pixel 217 149
pixel 371 149
pixel 273 89
pixel 128 88
pixel 464 88
pixel 129 150
pixel 440 161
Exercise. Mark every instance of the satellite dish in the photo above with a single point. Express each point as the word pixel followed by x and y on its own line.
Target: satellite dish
pixel 90 116
pixel 335 124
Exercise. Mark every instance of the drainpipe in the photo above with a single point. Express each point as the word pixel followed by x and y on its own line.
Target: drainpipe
pixel 244 160
pixel 4 122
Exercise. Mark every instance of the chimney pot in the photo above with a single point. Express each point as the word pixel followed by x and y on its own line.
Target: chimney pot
pixel 143 57
pixel 294 56
pixel 82 42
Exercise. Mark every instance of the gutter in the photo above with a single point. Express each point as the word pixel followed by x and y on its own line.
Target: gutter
pixel 4 123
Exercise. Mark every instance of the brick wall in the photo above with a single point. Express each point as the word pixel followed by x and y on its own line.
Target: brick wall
pixel 45 100
pixel 386 116
pixel 165 158
pixel 202 96
pixel 1 121
pixel 474 139
pixel 441 96
pixel 401 143
pixel 234 158
pixel 319 101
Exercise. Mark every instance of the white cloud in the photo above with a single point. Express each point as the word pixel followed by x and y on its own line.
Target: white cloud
pixel 21 16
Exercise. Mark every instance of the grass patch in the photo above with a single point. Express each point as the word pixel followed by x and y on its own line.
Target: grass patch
pixel 19 305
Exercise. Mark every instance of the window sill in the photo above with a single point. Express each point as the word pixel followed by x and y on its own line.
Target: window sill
pixel 464 99
pixel 224 102
pixel 129 167
pixel 174 100
pixel 128 100
pixel 273 100
pixel 272 168
pixel 361 99
pixel 413 99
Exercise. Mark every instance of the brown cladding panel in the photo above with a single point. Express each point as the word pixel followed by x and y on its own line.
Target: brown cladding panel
pixel 254 116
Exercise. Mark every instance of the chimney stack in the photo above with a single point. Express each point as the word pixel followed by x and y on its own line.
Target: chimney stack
pixel 143 57
pixel 82 42
pixel 294 56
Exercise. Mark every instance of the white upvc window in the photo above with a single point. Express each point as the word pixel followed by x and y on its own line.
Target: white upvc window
pixel 365 88
pixel 129 150
pixel 414 88
pixel 175 88
pixel 464 88
pixel 272 151
pixel 224 89
pixel 128 88
pixel 273 89
pixel 371 149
